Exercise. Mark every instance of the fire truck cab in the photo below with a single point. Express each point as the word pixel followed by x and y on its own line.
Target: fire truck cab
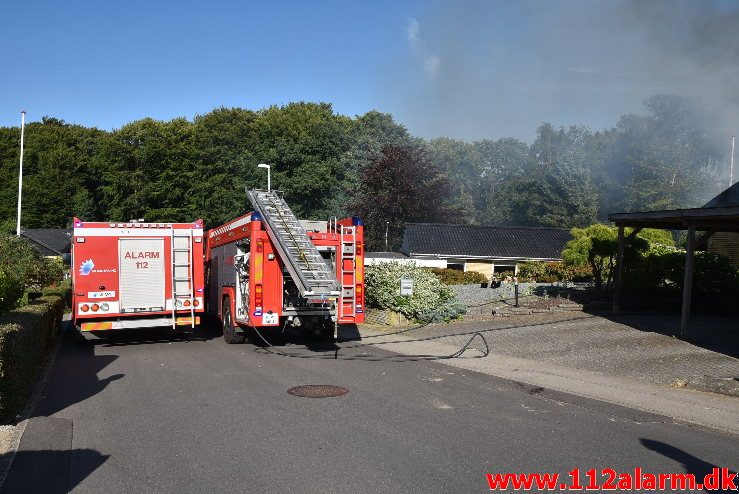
pixel 137 274
pixel 267 269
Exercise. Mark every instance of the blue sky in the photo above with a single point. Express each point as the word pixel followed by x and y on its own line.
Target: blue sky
pixel 467 69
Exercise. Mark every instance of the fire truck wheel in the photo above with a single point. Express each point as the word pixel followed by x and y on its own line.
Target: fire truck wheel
pixel 230 335
pixel 326 332
pixel 318 330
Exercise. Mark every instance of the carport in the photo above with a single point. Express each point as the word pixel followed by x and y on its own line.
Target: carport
pixel 721 214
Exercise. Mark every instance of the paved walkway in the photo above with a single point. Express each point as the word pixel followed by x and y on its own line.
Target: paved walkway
pixel 614 361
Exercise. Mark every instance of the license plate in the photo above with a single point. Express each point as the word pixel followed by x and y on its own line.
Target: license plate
pixel 108 294
pixel 270 319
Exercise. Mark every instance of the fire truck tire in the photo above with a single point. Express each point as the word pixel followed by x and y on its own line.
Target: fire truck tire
pixel 318 330
pixel 326 332
pixel 230 335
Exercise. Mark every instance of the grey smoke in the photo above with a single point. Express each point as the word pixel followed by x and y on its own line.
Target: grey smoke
pixel 567 62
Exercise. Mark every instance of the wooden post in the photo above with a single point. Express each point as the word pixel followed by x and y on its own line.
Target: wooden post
pixel 688 283
pixel 619 271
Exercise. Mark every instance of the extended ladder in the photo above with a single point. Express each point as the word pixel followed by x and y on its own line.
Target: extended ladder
pixel 348 300
pixel 182 276
pixel 309 271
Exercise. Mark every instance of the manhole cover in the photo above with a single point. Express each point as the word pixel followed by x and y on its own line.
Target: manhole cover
pixel 317 391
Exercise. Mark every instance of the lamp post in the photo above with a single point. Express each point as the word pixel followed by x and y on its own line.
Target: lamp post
pixel 387 225
pixel 20 175
pixel 269 178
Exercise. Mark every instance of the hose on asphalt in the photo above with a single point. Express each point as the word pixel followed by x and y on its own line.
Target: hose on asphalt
pixel 334 355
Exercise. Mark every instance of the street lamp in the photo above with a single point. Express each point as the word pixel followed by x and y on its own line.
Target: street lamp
pixel 387 225
pixel 269 178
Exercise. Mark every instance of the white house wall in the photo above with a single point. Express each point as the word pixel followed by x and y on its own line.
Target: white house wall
pixel 424 263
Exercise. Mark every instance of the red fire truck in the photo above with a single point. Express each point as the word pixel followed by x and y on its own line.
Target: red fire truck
pixel 267 269
pixel 137 274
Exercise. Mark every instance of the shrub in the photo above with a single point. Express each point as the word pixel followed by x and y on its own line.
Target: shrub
pixel 27 265
pixel 25 336
pixel 662 269
pixel 11 291
pixel 551 272
pixel 446 313
pixel 456 277
pixel 430 297
pixel 62 289
pixel 502 275
pixel 597 245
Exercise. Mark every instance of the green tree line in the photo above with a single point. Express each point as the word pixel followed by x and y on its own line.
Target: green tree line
pixel 333 165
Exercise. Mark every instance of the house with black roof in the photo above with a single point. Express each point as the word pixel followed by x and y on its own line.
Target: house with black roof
pixel 49 242
pixel 484 249
pixel 725 243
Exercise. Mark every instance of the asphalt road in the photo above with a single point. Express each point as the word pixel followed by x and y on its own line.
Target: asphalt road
pixel 139 413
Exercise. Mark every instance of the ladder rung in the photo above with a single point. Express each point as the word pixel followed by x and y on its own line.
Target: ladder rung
pixel 181 250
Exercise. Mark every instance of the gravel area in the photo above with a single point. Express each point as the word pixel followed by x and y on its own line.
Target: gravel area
pixel 6 437
pixel 634 346
pixel 475 296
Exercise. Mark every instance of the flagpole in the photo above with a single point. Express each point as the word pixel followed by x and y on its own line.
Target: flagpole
pixel 731 169
pixel 20 175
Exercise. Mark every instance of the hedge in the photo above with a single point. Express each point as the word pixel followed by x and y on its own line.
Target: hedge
pixel 63 290
pixel 26 334
pixel 456 277
pixel 551 272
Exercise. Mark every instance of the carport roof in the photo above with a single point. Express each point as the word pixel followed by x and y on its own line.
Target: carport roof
pixel 720 214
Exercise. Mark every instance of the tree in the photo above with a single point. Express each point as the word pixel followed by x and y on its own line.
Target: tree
pixel 147 170
pixel 668 158
pixel 559 190
pixel 503 162
pixel 224 164
pixel 463 165
pixel 305 143
pixel 597 246
pixel 401 185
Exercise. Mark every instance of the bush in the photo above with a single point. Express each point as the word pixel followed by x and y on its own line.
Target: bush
pixel 503 275
pixel 25 336
pixel 430 299
pixel 456 277
pixel 27 265
pixel 11 291
pixel 62 289
pixel 597 245
pixel 552 272
pixel 662 270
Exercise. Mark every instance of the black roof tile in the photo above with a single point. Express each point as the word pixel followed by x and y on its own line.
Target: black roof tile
pixel 729 197
pixel 484 241
pixel 49 241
